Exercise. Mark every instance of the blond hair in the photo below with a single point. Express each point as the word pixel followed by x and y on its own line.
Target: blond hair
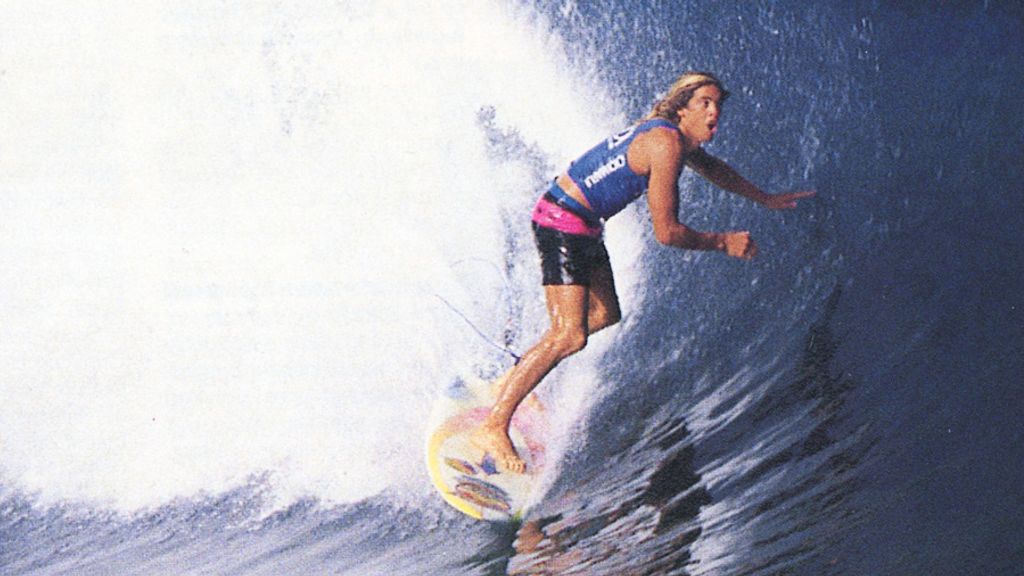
pixel 680 92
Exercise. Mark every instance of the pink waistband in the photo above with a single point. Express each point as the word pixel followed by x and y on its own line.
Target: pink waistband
pixel 551 215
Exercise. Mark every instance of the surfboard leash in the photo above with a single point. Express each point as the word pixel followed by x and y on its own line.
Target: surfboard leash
pixel 484 337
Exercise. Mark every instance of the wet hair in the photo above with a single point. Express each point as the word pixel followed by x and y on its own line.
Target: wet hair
pixel 680 93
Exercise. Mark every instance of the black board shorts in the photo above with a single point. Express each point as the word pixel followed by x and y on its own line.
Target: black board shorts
pixel 569 259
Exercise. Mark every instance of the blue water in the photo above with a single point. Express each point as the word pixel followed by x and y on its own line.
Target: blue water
pixel 235 241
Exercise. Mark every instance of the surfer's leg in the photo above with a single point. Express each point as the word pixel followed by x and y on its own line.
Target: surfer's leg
pixel 577 275
pixel 567 308
pixel 603 302
pixel 602 311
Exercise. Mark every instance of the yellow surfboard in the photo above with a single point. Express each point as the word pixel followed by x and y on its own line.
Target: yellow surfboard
pixel 469 479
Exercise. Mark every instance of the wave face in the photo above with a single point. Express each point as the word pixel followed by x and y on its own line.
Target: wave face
pixel 241 246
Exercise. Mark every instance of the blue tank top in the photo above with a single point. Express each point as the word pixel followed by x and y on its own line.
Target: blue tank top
pixel 604 176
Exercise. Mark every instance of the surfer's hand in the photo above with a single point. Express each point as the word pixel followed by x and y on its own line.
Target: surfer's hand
pixel 785 201
pixel 739 245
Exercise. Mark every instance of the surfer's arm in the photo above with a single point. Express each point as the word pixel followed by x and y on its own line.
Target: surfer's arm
pixel 716 171
pixel 664 154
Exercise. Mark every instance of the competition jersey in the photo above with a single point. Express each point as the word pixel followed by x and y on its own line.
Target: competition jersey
pixel 604 176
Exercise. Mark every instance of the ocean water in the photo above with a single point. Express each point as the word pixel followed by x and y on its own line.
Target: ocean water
pixel 244 245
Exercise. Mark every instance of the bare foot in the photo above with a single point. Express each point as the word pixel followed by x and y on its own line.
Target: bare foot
pixel 496 442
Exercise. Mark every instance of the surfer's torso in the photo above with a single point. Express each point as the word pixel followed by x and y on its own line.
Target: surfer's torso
pixel 603 173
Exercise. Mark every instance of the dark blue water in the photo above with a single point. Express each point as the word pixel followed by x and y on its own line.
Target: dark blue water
pixel 848 403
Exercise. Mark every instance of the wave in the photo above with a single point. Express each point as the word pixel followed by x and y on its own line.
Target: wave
pixel 241 263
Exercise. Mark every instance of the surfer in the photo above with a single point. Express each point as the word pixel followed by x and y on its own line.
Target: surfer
pixel 568 228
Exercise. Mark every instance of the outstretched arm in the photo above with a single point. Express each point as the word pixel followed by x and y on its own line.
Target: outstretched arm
pixel 716 171
pixel 663 154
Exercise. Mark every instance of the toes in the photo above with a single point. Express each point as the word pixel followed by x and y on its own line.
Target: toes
pixel 515 465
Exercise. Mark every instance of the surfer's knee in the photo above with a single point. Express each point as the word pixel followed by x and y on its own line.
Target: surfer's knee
pixel 567 341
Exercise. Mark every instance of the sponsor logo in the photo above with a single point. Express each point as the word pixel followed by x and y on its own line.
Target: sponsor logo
pixel 620 137
pixel 605 170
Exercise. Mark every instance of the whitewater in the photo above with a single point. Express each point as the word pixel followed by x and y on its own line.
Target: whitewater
pixel 225 233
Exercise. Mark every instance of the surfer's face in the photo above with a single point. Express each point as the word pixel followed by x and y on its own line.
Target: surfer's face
pixel 699 119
